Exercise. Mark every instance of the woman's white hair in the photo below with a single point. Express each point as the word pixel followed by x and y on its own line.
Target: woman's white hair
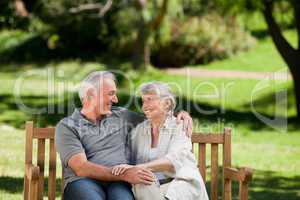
pixel 93 80
pixel 161 89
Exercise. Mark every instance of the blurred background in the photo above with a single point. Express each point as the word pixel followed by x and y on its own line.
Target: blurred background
pixel 232 63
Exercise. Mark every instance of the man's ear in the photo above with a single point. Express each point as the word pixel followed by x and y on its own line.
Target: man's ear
pixel 89 93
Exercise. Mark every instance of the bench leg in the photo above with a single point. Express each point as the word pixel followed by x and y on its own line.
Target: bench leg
pixel 26 188
pixel 33 190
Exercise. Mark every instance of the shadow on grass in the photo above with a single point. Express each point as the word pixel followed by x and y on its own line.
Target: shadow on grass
pixel 266 185
pixel 15 185
pixel 275 99
pixel 35 51
pixel 271 185
pixel 54 110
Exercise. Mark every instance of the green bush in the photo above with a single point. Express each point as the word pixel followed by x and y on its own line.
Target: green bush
pixel 198 40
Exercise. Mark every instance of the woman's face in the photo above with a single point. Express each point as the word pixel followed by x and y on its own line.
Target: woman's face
pixel 153 107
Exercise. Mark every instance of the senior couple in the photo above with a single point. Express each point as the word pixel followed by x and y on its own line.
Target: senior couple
pixel 111 153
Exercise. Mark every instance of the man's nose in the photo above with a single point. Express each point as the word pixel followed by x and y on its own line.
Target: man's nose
pixel 144 106
pixel 115 99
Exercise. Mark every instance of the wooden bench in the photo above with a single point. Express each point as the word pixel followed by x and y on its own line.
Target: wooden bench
pixel 34 173
pixel 243 175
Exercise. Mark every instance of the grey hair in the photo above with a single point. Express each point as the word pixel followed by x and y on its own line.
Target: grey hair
pixel 93 81
pixel 161 89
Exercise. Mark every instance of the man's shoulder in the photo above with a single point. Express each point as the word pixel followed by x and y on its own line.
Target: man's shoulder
pixel 123 112
pixel 66 121
pixel 144 125
pixel 117 110
pixel 66 125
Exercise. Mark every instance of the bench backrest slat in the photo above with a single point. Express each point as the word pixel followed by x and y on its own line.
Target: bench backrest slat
pixel 214 172
pixel 42 135
pixel 41 164
pixel 202 160
pixel 52 171
pixel 214 140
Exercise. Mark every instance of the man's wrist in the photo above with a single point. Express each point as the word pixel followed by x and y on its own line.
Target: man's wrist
pixel 141 166
pixel 123 177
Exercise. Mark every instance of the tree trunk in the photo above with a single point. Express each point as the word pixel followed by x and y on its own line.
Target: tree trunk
pixel 296 78
pixel 142 51
pixel 21 9
pixel 290 55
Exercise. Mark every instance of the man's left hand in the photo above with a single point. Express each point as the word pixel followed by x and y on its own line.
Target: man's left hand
pixel 187 122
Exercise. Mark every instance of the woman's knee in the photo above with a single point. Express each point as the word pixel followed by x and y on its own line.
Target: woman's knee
pixel 143 192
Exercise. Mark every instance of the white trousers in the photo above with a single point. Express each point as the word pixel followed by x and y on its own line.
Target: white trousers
pixel 149 192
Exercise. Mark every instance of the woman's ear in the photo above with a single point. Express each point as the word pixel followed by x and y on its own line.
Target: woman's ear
pixel 167 104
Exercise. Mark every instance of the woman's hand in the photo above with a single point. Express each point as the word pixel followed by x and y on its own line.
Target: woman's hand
pixel 143 166
pixel 120 169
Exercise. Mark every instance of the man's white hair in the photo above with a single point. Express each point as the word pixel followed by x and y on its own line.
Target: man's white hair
pixel 161 89
pixel 93 80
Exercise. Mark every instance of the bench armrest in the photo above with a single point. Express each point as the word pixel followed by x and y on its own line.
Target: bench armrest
pixel 32 172
pixel 243 176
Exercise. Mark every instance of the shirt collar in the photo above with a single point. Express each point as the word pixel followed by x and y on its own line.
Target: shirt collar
pixel 168 124
pixel 76 115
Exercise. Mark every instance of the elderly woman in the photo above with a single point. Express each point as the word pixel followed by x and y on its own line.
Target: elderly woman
pixel 161 145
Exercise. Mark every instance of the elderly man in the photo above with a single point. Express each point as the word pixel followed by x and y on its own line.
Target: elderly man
pixel 94 139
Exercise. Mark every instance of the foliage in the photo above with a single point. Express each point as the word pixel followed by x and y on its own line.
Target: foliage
pixel 208 33
pixel 8 17
pixel 200 40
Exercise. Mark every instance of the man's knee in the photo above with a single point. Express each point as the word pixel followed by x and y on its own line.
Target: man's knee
pixel 88 189
pixel 119 191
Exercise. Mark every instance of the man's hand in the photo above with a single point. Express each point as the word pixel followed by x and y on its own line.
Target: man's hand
pixel 187 122
pixel 137 175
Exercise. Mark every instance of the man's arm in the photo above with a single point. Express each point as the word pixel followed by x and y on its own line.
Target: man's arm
pixel 134 118
pixel 72 154
pixel 82 167
pixel 187 122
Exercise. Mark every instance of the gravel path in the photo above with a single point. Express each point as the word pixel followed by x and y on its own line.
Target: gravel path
pixel 206 73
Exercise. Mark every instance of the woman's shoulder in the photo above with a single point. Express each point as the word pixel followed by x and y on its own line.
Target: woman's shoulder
pixel 172 124
pixel 143 125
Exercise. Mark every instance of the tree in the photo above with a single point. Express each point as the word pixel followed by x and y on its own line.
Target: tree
pixel 141 54
pixel 290 55
pixel 73 24
pixel 21 9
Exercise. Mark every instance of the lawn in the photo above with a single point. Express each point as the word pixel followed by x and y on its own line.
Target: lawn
pixel 273 152
pixel 262 58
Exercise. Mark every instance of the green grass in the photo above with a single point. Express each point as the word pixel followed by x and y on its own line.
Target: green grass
pixel 217 93
pixel 261 58
pixel 11 39
pixel 274 155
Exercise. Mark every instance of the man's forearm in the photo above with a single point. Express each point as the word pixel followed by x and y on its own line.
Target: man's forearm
pixel 98 172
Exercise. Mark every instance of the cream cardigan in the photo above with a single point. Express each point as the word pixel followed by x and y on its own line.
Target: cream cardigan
pixel 174 145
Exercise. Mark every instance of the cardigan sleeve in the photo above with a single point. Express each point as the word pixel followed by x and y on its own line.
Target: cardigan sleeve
pixel 180 147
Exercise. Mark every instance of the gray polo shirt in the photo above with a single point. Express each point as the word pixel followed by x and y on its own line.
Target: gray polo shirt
pixel 104 143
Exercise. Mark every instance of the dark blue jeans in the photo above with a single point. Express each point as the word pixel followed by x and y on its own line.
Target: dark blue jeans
pixel 90 189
